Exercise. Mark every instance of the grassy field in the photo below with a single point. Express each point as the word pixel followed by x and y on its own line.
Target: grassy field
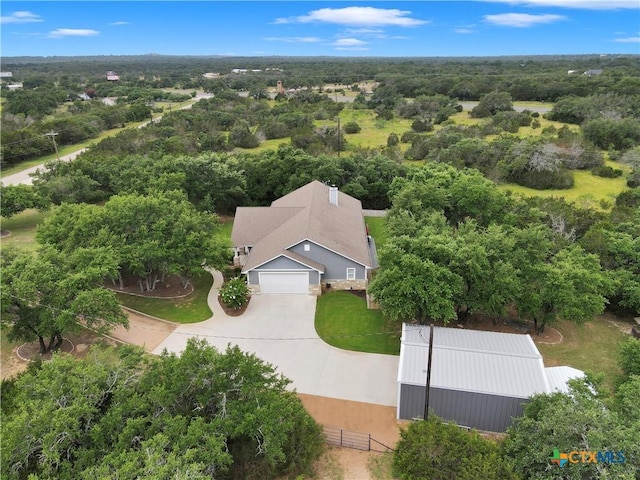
pixel 378 230
pixel 189 309
pixel 374 131
pixel 588 191
pixel 343 320
pixel 23 229
pixel 592 347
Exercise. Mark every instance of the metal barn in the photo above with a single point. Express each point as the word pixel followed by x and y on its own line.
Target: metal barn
pixel 478 379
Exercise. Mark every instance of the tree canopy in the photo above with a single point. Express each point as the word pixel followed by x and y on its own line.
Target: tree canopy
pixel 203 414
pixel 49 294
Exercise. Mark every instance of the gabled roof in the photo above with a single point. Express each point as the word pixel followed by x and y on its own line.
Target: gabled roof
pixel 304 214
pixel 504 364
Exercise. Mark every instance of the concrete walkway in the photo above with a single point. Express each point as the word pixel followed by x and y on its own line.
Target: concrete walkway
pixel 280 330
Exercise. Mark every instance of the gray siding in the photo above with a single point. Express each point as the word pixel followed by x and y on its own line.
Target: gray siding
pixel 477 410
pixel 335 266
pixel 283 264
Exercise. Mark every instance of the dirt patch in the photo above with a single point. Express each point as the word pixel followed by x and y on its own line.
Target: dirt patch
pixel 144 331
pixel 13 364
pixel 379 421
pixel 622 324
pixel 171 287
pixel 5 233
pixel 234 312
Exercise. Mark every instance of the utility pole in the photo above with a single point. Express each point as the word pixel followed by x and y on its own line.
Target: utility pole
pixel 428 385
pixel 52 135
pixel 339 139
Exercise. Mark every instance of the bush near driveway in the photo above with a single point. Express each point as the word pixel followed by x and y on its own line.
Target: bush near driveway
pixel 235 293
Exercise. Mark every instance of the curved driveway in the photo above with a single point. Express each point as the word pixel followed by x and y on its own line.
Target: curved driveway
pixel 280 330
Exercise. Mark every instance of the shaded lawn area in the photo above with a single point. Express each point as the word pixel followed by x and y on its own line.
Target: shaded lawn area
pixel 190 309
pixel 23 229
pixel 378 230
pixel 344 321
pixel 592 347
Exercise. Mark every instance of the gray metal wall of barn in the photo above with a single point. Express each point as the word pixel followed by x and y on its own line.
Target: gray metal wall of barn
pixel 492 413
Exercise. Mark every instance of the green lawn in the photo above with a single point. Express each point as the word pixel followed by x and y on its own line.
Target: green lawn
pixel 23 229
pixel 191 309
pixel 378 230
pixel 343 320
pixel 590 347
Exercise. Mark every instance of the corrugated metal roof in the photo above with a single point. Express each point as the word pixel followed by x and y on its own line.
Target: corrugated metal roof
pixel 559 376
pixel 475 361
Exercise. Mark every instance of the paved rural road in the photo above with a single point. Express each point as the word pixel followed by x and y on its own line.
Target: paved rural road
pixel 24 177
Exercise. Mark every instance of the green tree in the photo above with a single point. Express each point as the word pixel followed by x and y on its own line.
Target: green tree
pixel 17 198
pixel 629 357
pixel 436 450
pixel 118 413
pixel 492 103
pixel 577 421
pixel 47 295
pixel 152 236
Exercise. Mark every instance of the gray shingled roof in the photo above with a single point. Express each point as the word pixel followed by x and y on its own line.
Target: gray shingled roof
pixel 494 363
pixel 304 214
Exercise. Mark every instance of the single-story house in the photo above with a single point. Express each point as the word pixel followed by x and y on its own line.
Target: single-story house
pixel 311 238
pixel 479 379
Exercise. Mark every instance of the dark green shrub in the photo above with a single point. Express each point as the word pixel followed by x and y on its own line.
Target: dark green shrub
pixel 606 172
pixel 436 450
pixel 352 127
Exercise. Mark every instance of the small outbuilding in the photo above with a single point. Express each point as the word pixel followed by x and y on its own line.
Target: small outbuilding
pixel 479 379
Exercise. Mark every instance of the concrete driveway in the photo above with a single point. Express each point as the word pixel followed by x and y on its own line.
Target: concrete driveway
pixel 280 330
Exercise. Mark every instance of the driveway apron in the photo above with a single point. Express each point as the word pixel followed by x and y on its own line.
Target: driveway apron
pixel 279 328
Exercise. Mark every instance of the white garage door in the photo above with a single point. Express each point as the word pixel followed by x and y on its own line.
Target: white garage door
pixel 289 282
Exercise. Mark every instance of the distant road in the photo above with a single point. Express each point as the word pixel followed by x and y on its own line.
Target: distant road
pixel 24 178
pixel 540 109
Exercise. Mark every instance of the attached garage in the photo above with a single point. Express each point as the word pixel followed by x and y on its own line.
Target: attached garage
pixel 284 282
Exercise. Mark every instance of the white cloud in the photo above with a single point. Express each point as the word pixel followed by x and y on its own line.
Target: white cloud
pixel 358 16
pixel 585 4
pixel 464 30
pixel 21 17
pixel 293 39
pixel 118 24
pixel 627 40
pixel 348 42
pixel 72 32
pixel 352 49
pixel 521 20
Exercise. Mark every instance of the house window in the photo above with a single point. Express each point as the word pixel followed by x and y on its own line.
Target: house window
pixel 351 273
pixel 307 247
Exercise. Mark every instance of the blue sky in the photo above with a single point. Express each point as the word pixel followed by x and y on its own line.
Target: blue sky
pixel 356 28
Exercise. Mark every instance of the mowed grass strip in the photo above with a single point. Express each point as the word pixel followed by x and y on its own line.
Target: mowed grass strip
pixel 344 321
pixel 190 309
pixel 591 347
pixel 378 230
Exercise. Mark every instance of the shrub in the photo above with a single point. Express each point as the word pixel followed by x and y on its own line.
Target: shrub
pixel 432 449
pixel 392 140
pixel 422 126
pixel 606 172
pixel 352 127
pixel 629 357
pixel 235 293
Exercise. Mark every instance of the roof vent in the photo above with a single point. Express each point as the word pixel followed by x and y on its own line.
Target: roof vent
pixel 333 195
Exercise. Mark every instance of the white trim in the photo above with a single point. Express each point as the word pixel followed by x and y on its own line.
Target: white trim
pixel 320 245
pixel 354 273
pixel 286 256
